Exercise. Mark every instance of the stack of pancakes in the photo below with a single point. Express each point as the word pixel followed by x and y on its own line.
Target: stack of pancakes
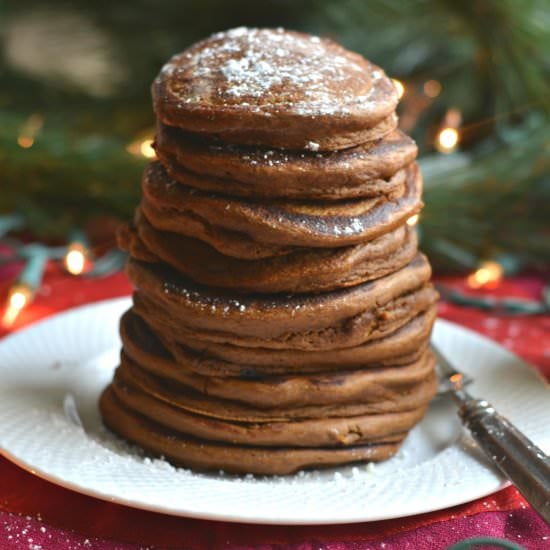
pixel 282 312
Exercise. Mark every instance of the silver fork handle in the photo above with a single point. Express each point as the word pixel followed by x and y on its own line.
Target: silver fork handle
pixel 527 466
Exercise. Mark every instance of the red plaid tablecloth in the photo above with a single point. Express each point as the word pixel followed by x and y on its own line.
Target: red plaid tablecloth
pixel 35 514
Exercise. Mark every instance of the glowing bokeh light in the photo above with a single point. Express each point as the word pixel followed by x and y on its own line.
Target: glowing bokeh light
pixel 146 149
pixel 447 140
pixel 488 272
pixel 75 260
pixel 19 297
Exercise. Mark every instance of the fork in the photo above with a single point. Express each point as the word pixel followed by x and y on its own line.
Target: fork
pixel 513 453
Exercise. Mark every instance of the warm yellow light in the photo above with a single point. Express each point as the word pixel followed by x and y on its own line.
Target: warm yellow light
pixel 19 297
pixel 488 272
pixel 75 260
pixel 413 220
pixel 399 87
pixel 142 147
pixel 29 130
pixel 432 88
pixel 447 140
pixel 25 141
pixel 146 149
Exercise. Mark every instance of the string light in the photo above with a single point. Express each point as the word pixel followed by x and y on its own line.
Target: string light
pixel 432 88
pixel 448 137
pixel 29 130
pixel 25 142
pixel 142 147
pixel 20 295
pixel 488 272
pixel 399 86
pixel 447 140
pixel 35 257
pixel 29 279
pixel 413 220
pixel 75 259
pixel 146 149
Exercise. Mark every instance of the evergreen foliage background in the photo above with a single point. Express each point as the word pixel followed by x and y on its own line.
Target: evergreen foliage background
pixel 75 77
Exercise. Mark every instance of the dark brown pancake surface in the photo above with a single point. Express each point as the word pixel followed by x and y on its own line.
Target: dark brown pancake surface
pixel 191 452
pixel 407 340
pixel 321 432
pixel 407 397
pixel 268 316
pixel 173 207
pixel 312 270
pixel 368 325
pixel 274 87
pixel 267 391
pixel 368 170
pixel 140 343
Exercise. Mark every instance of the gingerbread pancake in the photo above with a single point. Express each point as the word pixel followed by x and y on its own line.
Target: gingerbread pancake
pixel 268 317
pixel 275 88
pixel 405 341
pixel 201 454
pixel 404 397
pixel 269 391
pixel 173 207
pixel 371 324
pixel 310 270
pixel 140 343
pixel 368 170
pixel 391 187
pixel 321 432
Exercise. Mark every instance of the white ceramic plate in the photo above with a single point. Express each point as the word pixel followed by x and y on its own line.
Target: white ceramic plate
pixel 72 355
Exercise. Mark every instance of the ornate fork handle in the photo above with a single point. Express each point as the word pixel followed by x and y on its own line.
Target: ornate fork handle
pixel 518 458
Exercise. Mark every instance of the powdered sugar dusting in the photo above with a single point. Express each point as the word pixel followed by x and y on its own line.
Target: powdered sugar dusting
pixel 263 69
pixel 312 146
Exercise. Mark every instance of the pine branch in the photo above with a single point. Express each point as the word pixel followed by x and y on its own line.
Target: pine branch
pixel 490 57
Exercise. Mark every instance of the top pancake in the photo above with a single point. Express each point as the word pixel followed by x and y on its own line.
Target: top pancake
pixel 276 88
